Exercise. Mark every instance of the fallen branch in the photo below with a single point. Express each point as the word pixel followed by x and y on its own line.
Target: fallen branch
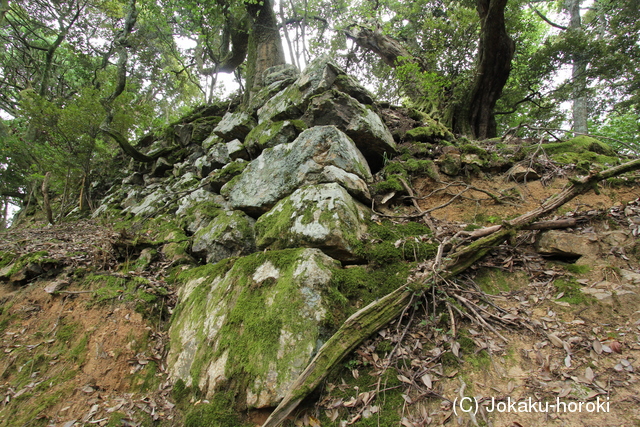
pixel 376 315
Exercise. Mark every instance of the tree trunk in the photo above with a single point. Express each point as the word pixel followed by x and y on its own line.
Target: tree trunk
pixel 265 45
pixel 578 72
pixel 495 52
pixel 45 197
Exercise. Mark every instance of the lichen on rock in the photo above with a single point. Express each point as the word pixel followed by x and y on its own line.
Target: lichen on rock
pixel 251 324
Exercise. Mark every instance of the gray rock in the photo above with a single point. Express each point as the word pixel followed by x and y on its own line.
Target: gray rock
pixel 236 150
pixel 563 244
pixel 322 154
pixel 360 123
pixel 269 134
pixel 279 73
pixel 323 216
pixel 234 126
pixel 250 325
pixel 160 167
pixel 217 157
pixel 229 234
pixel 134 179
pixel 183 133
pixel 520 173
pixel 292 102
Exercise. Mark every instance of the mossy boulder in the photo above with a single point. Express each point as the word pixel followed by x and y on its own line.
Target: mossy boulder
pixel 229 234
pixel 250 325
pixel 220 177
pixel 322 154
pixel 582 151
pixel 234 126
pixel 430 131
pixel 269 134
pixel 360 123
pixel 323 216
pixel 320 76
pixel 203 127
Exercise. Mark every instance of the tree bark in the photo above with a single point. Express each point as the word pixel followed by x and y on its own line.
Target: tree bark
pixel 376 315
pixel 578 72
pixel 45 197
pixel 265 45
pixel 495 52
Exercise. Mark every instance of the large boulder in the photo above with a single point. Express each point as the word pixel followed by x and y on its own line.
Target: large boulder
pixel 234 126
pixel 323 216
pixel 228 234
pixel 320 76
pixel 322 154
pixel 359 122
pixel 567 245
pixel 250 325
pixel 269 134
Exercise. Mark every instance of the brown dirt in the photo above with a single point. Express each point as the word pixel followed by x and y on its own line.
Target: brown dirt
pixel 109 371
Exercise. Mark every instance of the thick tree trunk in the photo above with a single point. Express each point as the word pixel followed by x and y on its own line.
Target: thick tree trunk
pixel 495 52
pixel 265 44
pixel 377 314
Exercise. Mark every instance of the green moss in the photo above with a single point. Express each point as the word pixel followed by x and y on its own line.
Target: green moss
pixel 391 183
pixel 128 289
pixel 6 258
pixel 492 281
pixel 79 351
pixel 582 150
pixel 389 243
pixel 39 257
pixel 571 291
pixel 577 268
pixel 357 286
pixel 390 400
pixel 117 419
pixel 432 129
pixel 218 413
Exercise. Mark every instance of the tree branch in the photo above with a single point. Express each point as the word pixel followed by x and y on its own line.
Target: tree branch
pixel 545 19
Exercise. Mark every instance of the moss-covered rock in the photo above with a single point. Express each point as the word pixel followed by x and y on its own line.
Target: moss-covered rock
pixel 430 131
pixel 360 123
pixel 323 216
pixel 321 154
pixel 269 134
pixel 229 234
pixel 234 126
pixel 202 128
pixel 220 177
pixel 582 151
pixel 250 325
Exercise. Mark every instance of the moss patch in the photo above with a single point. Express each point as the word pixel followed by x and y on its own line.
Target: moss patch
pixel 388 242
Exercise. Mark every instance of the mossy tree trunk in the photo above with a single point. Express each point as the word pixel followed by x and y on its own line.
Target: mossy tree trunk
pixel 379 313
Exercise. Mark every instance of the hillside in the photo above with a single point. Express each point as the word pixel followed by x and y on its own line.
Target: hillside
pixel 205 282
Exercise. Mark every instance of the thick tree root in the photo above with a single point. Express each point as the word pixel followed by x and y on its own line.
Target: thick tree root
pixel 379 313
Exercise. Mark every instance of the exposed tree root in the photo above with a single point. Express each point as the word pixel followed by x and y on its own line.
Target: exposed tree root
pixel 429 276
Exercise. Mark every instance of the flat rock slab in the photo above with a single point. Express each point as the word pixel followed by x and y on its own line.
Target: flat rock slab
pixel 319 155
pixel 250 325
